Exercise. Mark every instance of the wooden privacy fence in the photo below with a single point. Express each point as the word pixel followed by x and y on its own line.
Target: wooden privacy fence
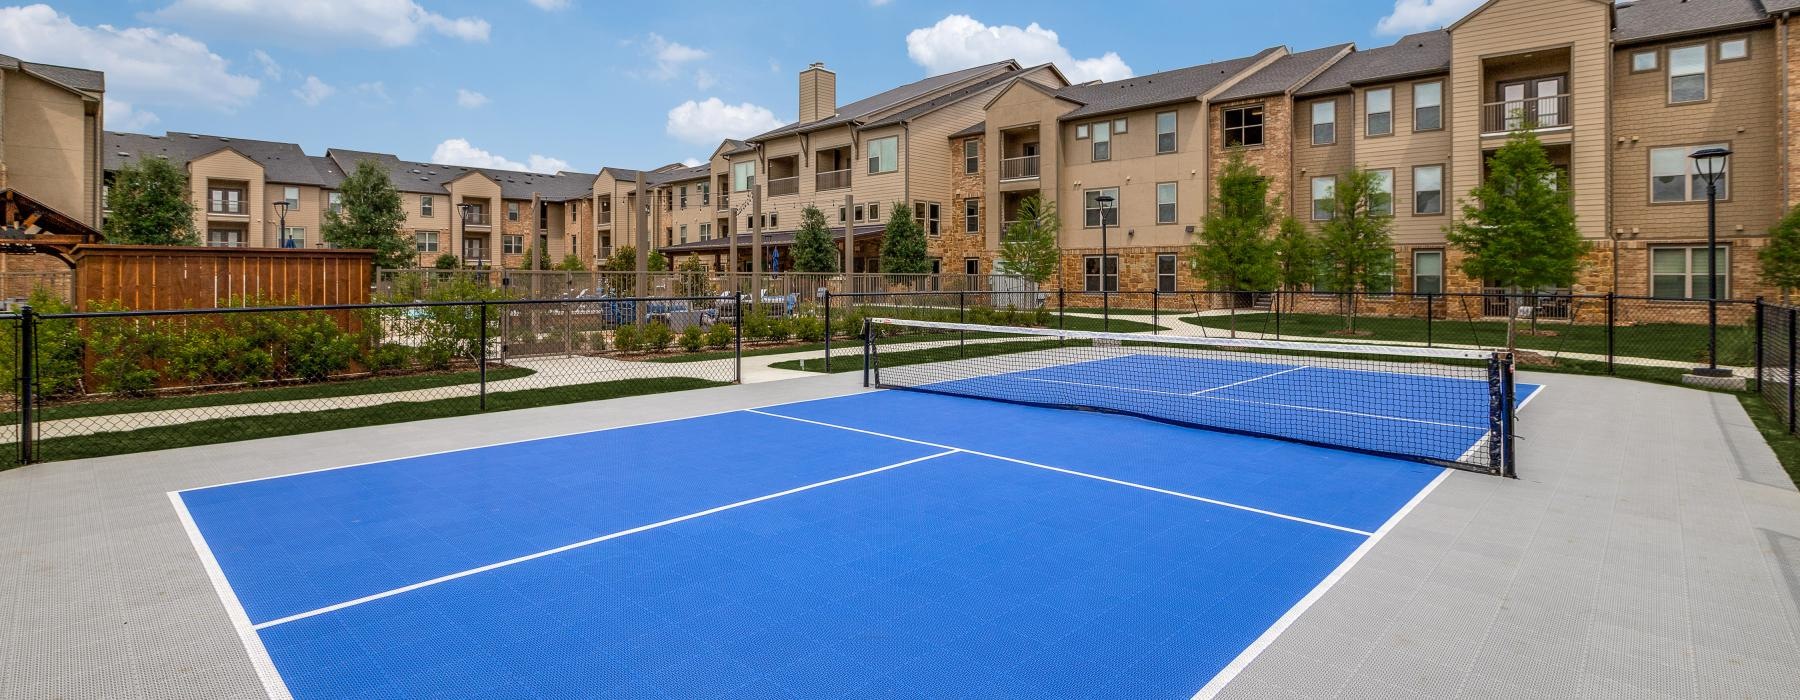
pixel 183 277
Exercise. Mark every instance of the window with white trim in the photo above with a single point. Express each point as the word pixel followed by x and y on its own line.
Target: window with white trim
pixel 1428 189
pixel 1378 111
pixel 291 195
pixel 293 237
pixel 1734 49
pixel 741 174
pixel 884 155
pixel 1092 211
pixel 1679 272
pixel 1428 272
pixel 427 205
pixel 1675 177
pixel 512 244
pixel 225 238
pixel 425 241
pixel 1644 61
pixel 1324 122
pixel 1322 190
pixel 1166 192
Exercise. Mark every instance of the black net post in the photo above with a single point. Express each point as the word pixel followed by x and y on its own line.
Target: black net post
pixel 962 316
pixel 1156 312
pixel 1061 314
pixel 1430 314
pixel 1509 409
pixel 481 361
pixel 828 331
pixel 1759 344
pixel 27 381
pixel 1612 308
pixel 868 338
pixel 1497 413
pixel 1278 294
pixel 737 347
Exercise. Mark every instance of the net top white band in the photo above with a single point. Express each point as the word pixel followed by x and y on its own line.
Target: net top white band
pixel 1345 348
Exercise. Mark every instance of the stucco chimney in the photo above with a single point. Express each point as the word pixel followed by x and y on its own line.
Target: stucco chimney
pixel 818 93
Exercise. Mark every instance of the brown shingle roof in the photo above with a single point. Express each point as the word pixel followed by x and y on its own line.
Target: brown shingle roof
pixel 1416 54
pixel 1167 87
pixel 281 162
pixel 1644 20
pixel 74 78
pixel 884 100
pixel 1282 75
pixel 976 129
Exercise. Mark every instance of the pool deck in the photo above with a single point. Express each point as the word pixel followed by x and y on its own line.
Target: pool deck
pixel 1651 548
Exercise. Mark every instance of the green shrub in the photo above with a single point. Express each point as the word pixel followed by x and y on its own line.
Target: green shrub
pixel 446 261
pixel 657 336
pixel 692 339
pixel 125 350
pixel 720 336
pixel 388 356
pixel 626 339
pixel 756 323
pixel 59 348
pixel 809 328
pixel 779 329
pixel 317 348
pixel 593 341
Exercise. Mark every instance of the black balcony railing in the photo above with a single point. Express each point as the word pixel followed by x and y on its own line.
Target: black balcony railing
pixel 1536 113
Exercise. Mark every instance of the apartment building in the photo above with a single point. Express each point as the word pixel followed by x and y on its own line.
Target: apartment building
pixel 50 126
pixel 251 193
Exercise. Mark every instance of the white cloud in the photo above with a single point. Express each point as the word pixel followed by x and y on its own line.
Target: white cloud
pixel 142 65
pixel 312 91
pixel 704 79
pixel 122 116
pixel 550 5
pixel 1422 15
pixel 712 121
pixel 961 41
pixel 376 89
pixel 271 69
pixel 671 57
pixel 879 3
pixel 470 99
pixel 378 22
pixel 461 152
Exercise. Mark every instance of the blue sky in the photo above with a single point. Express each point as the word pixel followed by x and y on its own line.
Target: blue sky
pixel 544 84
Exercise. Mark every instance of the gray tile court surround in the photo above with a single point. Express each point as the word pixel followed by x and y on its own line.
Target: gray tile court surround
pixel 1651 549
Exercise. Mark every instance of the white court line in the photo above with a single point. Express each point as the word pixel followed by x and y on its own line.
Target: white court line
pixel 1268 636
pixel 1072 472
pixel 595 540
pixel 1247 381
pixel 1315 409
pixel 234 609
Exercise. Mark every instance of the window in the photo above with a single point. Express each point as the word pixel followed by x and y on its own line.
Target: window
pixel 512 244
pixel 1428 272
pixel 971 266
pixel 774 220
pixel 1324 123
pixel 1381 201
pixel 741 174
pixel 972 215
pixel 875 212
pixel 426 205
pixel 1244 126
pixel 1679 272
pixel 1093 278
pixel 1102 141
pixel 512 211
pixel 225 238
pixel 971 156
pixel 293 237
pixel 1644 61
pixel 291 195
pixel 1121 125
pixel 223 201
pixel 1428 106
pixel 927 214
pixel 1165 202
pixel 1428 189
pixel 859 212
pixel 1322 190
pixel 1081 131
pixel 1094 212
pixel 1734 49
pixel 843 215
pixel 683 196
pixel 1674 177
pixel 1687 74
pixel 1382 284
pixel 425 241
pixel 705 193
pixel 1378 111
pixel 334 201
pixel 1165 272
pixel 684 233
pixel 706 232
pixel 1165 132
pixel 884 155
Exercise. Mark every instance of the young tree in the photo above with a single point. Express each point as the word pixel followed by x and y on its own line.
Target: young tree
pixel 814 250
pixel 149 205
pixel 1233 252
pixel 446 261
pixel 572 263
pixel 1781 257
pixel 531 254
pixel 692 279
pixel 370 217
pixel 1028 247
pixel 624 259
pixel 1355 244
pixel 1297 255
pixel 903 248
pixel 1518 227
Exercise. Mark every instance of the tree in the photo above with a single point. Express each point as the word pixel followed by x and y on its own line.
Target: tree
pixel 446 261
pixel 814 250
pixel 1518 227
pixel 1028 247
pixel 572 263
pixel 149 205
pixel 692 279
pixel 903 248
pixel 1233 252
pixel 1355 244
pixel 624 259
pixel 531 254
pixel 1781 257
pixel 1297 255
pixel 370 217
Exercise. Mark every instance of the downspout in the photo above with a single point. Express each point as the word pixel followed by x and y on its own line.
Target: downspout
pixel 906 173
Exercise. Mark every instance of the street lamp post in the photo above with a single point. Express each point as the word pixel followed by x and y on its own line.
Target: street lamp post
pixel 1710 163
pixel 281 227
pixel 1105 201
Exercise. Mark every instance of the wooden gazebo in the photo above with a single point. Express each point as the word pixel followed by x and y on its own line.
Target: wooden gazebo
pixel 29 227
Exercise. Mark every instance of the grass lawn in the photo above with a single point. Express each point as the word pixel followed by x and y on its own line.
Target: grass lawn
pixel 1774 430
pixel 322 390
pixel 220 430
pixel 1662 341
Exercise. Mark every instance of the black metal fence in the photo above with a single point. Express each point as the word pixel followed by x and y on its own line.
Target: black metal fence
pixel 1777 350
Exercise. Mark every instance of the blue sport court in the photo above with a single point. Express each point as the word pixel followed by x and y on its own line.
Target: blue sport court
pixel 885 544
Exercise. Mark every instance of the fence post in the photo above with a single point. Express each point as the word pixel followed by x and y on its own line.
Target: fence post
pixel 1792 345
pixel 1278 294
pixel 1759 344
pixel 868 338
pixel 828 331
pixel 1062 320
pixel 1430 315
pixel 1612 303
pixel 737 352
pixel 962 316
pixel 481 362
pixel 27 382
pixel 1156 312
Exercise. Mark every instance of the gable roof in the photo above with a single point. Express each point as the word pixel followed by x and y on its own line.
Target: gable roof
pixel 958 95
pixel 681 174
pixel 72 78
pixel 1167 87
pixel 281 162
pixel 1645 20
pixel 858 110
pixel 1424 53
pixel 1284 74
pixel 976 129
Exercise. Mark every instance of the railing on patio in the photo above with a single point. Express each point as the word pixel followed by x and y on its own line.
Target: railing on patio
pixel 1536 113
pixel 1019 168
pixel 784 186
pixel 476 218
pixel 605 219
pixel 832 180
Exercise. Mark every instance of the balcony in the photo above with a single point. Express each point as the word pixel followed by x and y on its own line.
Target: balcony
pixel 477 219
pixel 605 219
pixel 784 186
pixel 832 180
pixel 1537 114
pixel 723 202
pixel 1019 168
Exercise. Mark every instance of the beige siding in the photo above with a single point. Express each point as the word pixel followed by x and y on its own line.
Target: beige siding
pixel 1136 169
pixel 1400 152
pixel 1312 161
pixel 230 166
pixel 49 145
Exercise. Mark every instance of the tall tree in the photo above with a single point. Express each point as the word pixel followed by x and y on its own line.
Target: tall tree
pixel 1518 225
pixel 1297 255
pixel 1028 247
pixel 814 250
pixel 1233 252
pixel 624 259
pixel 903 248
pixel 370 217
pixel 1781 257
pixel 149 204
pixel 1356 244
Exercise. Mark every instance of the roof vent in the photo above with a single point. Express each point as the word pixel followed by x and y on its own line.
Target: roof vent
pixel 193 136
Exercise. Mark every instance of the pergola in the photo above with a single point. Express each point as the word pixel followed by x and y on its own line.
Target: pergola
pixel 29 227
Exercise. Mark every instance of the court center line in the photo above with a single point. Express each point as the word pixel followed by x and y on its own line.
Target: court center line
pixel 1315 409
pixel 595 540
pixel 1247 381
pixel 1085 475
